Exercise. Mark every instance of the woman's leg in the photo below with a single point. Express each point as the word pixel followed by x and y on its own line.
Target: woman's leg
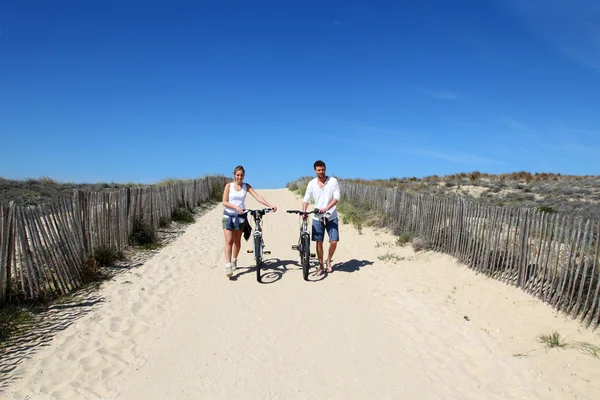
pixel 237 243
pixel 228 246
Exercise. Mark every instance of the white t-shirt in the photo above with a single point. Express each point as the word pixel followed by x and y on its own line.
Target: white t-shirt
pixel 323 196
pixel 236 198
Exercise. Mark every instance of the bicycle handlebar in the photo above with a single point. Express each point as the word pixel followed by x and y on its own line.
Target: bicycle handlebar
pixel 315 211
pixel 254 213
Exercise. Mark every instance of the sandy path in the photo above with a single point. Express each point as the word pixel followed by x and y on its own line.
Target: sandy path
pixel 419 326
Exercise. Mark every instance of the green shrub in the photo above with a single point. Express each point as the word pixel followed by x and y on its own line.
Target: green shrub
pixel 352 213
pixel 474 176
pixel 390 257
pixel 302 191
pixel 164 222
pixel 183 215
pixel 106 256
pixel 13 320
pixel 217 189
pixel 552 340
pixel 143 233
pixel 545 209
pixel 45 180
pixel 404 238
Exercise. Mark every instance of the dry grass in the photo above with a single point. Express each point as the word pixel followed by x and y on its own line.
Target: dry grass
pixel 564 194
pixel 555 341
pixel 43 190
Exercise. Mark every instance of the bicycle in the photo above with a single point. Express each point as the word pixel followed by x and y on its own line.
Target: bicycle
pixel 303 245
pixel 259 244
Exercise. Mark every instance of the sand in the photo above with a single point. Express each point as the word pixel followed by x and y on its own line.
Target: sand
pixel 388 323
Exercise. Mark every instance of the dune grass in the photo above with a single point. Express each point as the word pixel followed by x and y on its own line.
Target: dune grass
pixel 554 340
pixel 13 319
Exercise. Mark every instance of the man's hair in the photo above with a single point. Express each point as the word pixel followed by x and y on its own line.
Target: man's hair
pixel 319 163
pixel 238 168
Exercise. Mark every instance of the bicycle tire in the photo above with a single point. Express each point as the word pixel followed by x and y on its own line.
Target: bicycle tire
pixel 305 256
pixel 299 248
pixel 258 255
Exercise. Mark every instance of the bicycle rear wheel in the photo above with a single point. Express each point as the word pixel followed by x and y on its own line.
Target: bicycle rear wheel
pixel 258 255
pixel 305 256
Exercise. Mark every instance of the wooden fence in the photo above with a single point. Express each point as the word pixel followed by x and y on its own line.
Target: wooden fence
pixel 44 249
pixel 553 257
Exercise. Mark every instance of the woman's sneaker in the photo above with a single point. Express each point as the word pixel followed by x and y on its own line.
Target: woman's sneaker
pixel 233 265
pixel 228 270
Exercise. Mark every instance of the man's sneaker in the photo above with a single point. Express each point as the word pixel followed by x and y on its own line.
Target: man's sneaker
pixel 228 270
pixel 233 265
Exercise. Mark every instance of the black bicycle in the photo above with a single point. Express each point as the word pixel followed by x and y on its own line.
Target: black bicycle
pixel 303 245
pixel 259 244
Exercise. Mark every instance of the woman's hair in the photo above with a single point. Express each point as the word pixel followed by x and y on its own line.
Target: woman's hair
pixel 239 168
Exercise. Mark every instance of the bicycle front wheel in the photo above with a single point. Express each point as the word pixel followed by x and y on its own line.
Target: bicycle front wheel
pixel 258 255
pixel 305 256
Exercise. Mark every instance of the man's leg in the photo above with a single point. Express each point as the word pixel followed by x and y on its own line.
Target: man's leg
pixel 331 252
pixel 334 237
pixel 318 235
pixel 320 255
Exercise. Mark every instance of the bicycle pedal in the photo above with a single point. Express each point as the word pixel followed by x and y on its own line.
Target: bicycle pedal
pixel 295 247
pixel 267 252
pixel 250 251
pixel 313 254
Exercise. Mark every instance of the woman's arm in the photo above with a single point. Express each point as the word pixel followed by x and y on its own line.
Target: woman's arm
pixel 259 198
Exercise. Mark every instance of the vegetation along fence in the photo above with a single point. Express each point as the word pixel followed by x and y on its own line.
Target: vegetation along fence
pixel 553 257
pixel 45 249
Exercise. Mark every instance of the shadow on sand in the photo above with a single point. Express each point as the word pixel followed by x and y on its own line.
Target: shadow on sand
pixel 273 269
pixel 351 265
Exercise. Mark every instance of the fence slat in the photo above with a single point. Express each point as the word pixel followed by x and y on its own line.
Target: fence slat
pixel 44 248
pixel 550 256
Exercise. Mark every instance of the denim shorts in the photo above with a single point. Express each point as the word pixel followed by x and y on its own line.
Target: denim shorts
pixel 228 222
pixel 318 230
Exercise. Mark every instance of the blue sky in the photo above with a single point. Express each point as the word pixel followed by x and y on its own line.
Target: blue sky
pixel 140 91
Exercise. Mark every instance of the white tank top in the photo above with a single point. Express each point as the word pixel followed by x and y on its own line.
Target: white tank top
pixel 236 198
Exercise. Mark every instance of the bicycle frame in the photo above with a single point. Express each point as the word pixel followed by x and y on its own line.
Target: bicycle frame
pixel 257 237
pixel 303 245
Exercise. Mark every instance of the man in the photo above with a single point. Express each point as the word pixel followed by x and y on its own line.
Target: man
pixel 325 191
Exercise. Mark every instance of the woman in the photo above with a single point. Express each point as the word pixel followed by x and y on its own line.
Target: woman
pixel 234 196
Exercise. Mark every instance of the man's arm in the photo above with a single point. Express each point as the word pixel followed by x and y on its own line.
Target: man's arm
pixel 307 197
pixel 335 198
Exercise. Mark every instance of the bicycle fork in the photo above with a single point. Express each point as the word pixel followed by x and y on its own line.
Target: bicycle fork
pixel 298 246
pixel 258 239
